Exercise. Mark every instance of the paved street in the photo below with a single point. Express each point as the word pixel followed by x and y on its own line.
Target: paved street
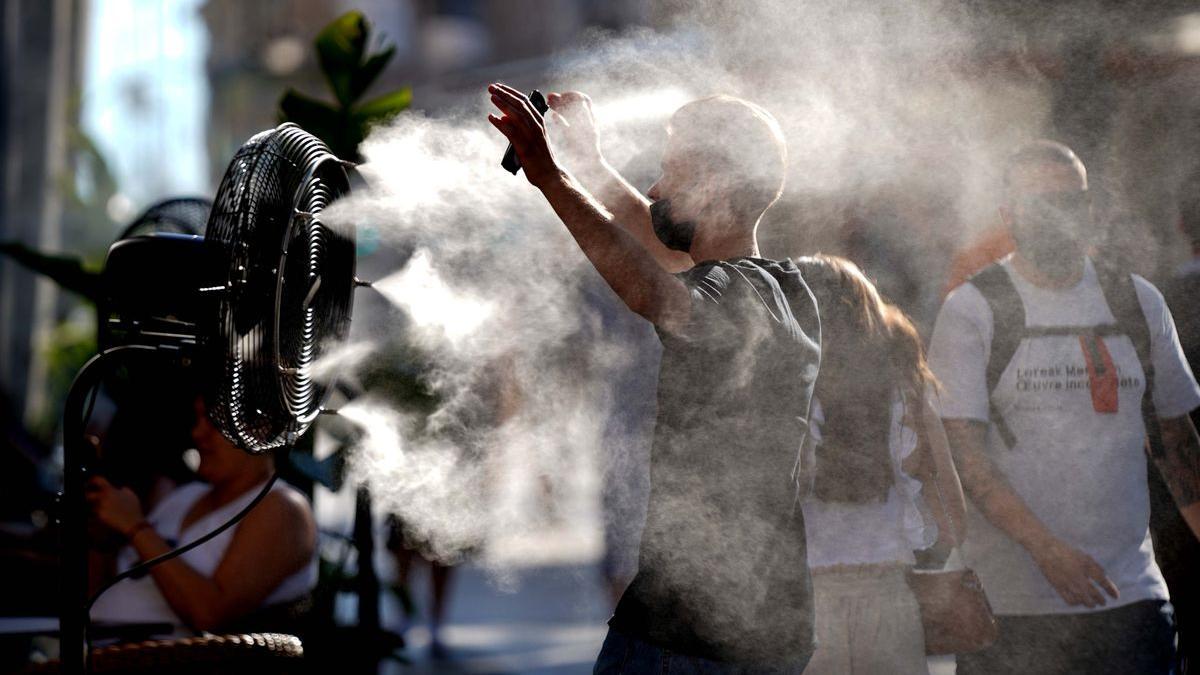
pixel 543 621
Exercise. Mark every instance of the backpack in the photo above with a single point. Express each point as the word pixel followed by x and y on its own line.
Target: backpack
pixel 1009 329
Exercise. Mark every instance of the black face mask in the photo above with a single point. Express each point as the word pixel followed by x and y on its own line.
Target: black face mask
pixel 676 236
pixel 1050 229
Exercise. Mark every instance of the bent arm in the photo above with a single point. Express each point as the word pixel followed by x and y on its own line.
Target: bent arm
pixel 988 488
pixel 573 125
pixel 274 541
pixel 1075 575
pixel 631 209
pixel 637 278
pixel 628 267
pixel 1180 467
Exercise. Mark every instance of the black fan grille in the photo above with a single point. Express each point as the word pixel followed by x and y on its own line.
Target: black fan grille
pixel 182 215
pixel 288 290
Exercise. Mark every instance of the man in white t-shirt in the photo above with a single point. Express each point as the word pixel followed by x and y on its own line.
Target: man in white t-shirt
pixel 1052 457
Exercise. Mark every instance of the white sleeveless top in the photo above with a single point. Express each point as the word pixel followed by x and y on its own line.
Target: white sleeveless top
pixel 843 533
pixel 139 600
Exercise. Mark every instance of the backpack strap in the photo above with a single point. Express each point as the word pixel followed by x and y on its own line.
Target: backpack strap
pixel 1121 295
pixel 1008 328
pixel 1102 330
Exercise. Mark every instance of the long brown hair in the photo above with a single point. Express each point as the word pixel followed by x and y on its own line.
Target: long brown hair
pixel 869 349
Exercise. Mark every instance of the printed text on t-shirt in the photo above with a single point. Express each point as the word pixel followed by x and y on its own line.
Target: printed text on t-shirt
pixel 1064 378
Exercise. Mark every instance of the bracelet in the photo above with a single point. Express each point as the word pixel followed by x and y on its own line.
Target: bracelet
pixel 143 524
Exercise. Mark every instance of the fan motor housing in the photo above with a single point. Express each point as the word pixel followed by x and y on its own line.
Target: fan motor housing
pixel 154 291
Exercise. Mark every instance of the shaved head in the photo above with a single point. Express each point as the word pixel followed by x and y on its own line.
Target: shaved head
pixel 1043 166
pixel 737 140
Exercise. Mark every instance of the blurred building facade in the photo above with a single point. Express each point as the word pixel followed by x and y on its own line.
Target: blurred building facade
pixel 39 76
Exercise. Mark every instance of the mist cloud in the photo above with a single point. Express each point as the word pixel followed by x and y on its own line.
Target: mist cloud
pixel 876 98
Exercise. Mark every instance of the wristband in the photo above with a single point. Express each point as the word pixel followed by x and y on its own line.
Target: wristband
pixel 143 524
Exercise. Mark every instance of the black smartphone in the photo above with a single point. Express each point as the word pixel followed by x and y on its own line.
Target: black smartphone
pixel 511 161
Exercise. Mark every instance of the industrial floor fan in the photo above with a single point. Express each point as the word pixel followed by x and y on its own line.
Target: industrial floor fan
pixel 250 306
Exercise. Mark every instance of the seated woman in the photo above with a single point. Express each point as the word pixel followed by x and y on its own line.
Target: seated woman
pixel 269 558
pixel 879 462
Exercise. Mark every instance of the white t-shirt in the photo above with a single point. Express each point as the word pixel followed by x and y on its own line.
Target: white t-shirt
pixel 1083 473
pixel 841 533
pixel 140 601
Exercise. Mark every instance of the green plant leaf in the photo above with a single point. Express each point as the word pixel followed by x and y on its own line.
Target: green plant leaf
pixel 384 106
pixel 367 73
pixel 340 48
pixel 321 120
pixel 342 53
pixel 306 111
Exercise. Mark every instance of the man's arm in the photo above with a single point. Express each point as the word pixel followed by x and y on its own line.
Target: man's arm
pixel 1073 573
pixel 628 268
pixel 1180 467
pixel 632 210
pixel 641 283
pixel 575 125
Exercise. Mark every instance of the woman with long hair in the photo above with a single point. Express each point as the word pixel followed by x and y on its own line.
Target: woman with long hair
pixel 883 484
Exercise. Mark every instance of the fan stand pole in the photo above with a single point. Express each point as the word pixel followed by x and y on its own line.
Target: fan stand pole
pixel 73 513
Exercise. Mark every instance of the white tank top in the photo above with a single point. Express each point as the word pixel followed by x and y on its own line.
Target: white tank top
pixel 139 600
pixel 842 533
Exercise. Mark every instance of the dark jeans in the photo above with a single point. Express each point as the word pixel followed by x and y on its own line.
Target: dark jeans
pixel 1136 639
pixel 622 654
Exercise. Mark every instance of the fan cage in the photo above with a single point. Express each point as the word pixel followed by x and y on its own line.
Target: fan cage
pixel 181 215
pixel 287 292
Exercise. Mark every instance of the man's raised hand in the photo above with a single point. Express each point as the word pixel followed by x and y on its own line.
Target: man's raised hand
pixel 572 128
pixel 524 127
